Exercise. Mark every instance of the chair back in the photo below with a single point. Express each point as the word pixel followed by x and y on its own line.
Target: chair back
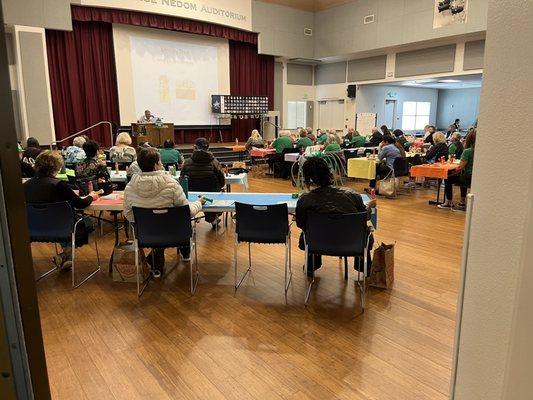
pixel 50 222
pixel 163 227
pixel 207 184
pixel 262 223
pixel 290 150
pixel 342 235
pixel 401 166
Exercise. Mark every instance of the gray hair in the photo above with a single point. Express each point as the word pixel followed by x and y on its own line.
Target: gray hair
pixel 78 141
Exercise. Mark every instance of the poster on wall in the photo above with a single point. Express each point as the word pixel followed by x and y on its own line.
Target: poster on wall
pixel 449 12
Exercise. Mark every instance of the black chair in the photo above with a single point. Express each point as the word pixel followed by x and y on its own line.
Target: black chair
pixel 284 166
pixel 401 167
pixel 57 223
pixel 161 228
pixel 267 224
pixel 207 184
pixel 338 235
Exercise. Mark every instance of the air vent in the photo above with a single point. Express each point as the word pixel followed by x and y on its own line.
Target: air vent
pixel 308 32
pixel 368 19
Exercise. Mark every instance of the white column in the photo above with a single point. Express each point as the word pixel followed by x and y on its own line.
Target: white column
pixel 495 349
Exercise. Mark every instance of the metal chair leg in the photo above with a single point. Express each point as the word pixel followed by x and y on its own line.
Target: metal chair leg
pixel 288 269
pixel 310 284
pixel 140 290
pixel 195 275
pixel 73 269
pixel 248 270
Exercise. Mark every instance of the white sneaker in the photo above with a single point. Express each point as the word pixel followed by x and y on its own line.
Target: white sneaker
pixel 186 259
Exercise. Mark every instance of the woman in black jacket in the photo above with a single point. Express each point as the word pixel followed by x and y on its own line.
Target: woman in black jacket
pixel 439 149
pixel 44 187
pixel 324 198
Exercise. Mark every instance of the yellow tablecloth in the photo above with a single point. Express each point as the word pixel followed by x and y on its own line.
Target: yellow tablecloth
pixel 362 168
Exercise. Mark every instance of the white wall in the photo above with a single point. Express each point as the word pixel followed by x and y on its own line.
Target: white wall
pixel 371 98
pixel 495 349
pixel 458 103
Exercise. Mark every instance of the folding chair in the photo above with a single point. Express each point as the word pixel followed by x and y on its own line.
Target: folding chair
pixel 338 235
pixel 267 224
pixel 161 228
pixel 57 223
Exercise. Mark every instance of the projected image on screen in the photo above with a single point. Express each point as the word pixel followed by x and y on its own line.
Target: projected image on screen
pixel 173 79
pixel 171 74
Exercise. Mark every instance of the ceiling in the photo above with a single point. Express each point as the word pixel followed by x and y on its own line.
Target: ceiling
pixel 451 82
pixel 309 5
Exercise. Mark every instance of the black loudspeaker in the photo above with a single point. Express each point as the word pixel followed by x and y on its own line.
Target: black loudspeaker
pixel 351 91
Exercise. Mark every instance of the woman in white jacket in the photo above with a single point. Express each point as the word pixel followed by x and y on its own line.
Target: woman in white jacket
pixel 154 188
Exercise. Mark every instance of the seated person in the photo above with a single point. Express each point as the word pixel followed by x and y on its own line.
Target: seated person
pixel 357 140
pixel 282 142
pixel 92 168
pixel 332 144
pixel 75 154
pixel 122 152
pixel 29 155
pixel 146 118
pixel 134 168
pixel 202 164
pixel 461 176
pixel 255 140
pixel 455 148
pixel 439 149
pixel 322 136
pixel 429 135
pixel 376 138
pixel 387 154
pixel 45 188
pixel 400 137
pixel 170 155
pixel 153 188
pixel 385 130
pixel 324 198
pixel 304 140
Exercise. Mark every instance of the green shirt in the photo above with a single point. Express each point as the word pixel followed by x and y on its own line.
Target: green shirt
pixel 304 142
pixel 281 143
pixel 170 156
pixel 452 149
pixel 468 156
pixel 358 141
pixel 322 138
pixel 332 147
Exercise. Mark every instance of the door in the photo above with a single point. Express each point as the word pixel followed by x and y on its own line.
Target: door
pixel 389 114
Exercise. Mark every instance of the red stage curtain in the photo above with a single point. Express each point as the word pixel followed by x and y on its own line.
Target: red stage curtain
pixel 83 80
pixel 80 13
pixel 251 74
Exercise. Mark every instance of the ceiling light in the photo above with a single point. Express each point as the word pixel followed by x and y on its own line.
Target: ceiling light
pixel 449 81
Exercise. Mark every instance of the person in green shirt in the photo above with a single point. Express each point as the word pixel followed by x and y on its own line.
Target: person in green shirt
pixel 461 176
pixel 321 137
pixel 170 155
pixel 456 147
pixel 357 140
pixel 303 140
pixel 332 144
pixel 282 142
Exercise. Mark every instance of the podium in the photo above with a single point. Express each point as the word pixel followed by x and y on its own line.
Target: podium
pixel 151 133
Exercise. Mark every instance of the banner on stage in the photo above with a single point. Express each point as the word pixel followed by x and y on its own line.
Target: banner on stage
pixel 234 13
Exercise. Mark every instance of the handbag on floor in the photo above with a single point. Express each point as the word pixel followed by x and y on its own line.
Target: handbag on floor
pixel 382 272
pixel 387 186
pixel 124 263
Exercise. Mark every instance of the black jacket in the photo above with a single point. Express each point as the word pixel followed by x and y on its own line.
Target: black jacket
pixel 376 139
pixel 51 190
pixel 437 151
pixel 328 200
pixel 202 164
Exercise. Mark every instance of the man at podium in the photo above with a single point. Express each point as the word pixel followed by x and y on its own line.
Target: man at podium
pixel 147 118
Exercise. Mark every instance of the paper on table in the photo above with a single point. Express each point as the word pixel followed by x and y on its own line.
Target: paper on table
pixel 112 196
pixel 221 203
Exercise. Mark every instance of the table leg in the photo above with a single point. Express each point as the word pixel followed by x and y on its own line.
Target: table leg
pixel 115 224
pixel 437 202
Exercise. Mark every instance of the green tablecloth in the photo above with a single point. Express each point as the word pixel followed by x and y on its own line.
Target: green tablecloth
pixel 68 172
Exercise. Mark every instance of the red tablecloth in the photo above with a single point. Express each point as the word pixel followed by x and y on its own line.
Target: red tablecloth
pixel 261 152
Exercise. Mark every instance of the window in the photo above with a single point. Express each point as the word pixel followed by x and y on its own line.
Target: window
pixel 296 114
pixel 415 115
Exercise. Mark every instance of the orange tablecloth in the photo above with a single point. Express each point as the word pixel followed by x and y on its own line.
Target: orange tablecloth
pixel 437 170
pixel 262 152
pixel 238 148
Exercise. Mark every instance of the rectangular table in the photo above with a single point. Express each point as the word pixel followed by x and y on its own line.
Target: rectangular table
pixel 262 153
pixel 362 168
pixel 222 202
pixel 437 171
pixel 231 179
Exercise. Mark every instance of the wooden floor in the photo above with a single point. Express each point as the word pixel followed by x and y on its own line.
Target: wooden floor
pixel 102 342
